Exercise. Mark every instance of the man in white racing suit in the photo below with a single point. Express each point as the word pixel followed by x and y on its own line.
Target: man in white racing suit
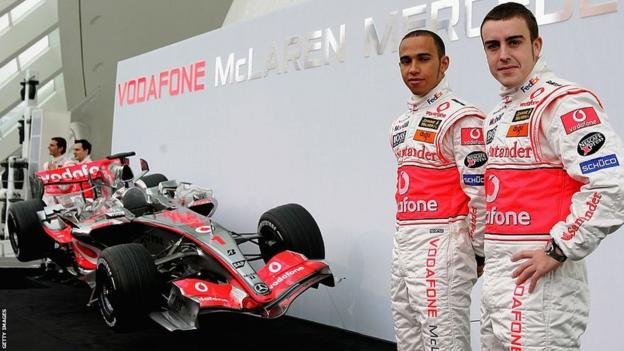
pixel 82 151
pixel 439 147
pixel 57 148
pixel 554 190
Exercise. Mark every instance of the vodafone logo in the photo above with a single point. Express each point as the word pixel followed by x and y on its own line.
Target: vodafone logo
pixel 490 197
pixel 471 136
pixel 201 287
pixel 579 115
pixel 444 106
pixel 537 93
pixel 403 183
pixel 275 267
pixel 579 119
pixel 475 133
pixel 70 173
pixel 203 229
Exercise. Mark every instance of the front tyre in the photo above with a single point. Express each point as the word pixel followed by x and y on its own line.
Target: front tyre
pixel 28 240
pixel 290 227
pixel 127 285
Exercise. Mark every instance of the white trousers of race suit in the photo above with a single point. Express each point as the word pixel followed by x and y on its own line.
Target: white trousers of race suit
pixel 514 320
pixel 433 272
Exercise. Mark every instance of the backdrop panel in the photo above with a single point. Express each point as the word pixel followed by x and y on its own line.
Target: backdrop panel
pixel 296 106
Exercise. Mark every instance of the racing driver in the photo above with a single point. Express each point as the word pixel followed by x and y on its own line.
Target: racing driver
pixel 438 244
pixel 554 190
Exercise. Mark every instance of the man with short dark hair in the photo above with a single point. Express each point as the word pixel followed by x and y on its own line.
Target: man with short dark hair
pixel 437 249
pixel 554 190
pixel 82 151
pixel 57 149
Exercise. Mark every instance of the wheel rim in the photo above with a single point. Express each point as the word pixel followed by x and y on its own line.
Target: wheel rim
pixel 271 243
pixel 104 298
pixel 13 237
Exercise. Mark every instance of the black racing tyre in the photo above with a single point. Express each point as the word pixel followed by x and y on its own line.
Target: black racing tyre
pixel 18 175
pixel 28 240
pixel 36 187
pixel 290 227
pixel 153 179
pixel 127 285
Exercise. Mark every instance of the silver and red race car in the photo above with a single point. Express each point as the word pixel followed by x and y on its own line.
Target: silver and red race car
pixel 149 246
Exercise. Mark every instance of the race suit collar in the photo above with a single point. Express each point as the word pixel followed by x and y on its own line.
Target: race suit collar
pixel 539 70
pixel 431 97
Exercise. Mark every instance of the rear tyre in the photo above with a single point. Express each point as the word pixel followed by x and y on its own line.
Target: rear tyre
pixel 127 285
pixel 290 227
pixel 153 179
pixel 28 240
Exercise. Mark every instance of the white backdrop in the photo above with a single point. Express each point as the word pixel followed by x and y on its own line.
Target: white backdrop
pixel 317 135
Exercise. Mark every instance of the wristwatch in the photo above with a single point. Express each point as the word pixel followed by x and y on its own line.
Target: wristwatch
pixel 553 250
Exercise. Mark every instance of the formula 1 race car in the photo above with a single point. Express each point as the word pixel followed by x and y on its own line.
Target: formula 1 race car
pixel 148 246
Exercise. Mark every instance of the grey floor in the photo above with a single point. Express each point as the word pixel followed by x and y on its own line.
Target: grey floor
pixel 46 314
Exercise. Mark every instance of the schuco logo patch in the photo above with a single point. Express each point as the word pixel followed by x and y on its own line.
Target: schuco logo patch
pixel 597 164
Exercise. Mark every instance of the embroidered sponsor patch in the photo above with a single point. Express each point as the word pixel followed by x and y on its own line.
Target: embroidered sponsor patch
pixel 518 130
pixel 490 135
pixel 429 123
pixel 472 136
pixel 424 136
pixel 590 144
pixel 473 179
pixel 579 119
pixel 475 159
pixel 522 115
pixel 597 164
pixel 398 139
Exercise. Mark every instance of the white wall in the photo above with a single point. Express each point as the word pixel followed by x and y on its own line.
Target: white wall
pixel 246 9
pixel 318 135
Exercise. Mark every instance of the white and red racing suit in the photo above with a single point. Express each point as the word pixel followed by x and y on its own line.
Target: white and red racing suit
pixel 553 173
pixel 440 151
pixel 57 162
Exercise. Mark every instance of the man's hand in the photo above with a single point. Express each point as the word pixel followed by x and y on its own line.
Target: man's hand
pixel 537 265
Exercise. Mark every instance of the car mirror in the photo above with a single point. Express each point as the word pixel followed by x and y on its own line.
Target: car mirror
pixel 144 165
